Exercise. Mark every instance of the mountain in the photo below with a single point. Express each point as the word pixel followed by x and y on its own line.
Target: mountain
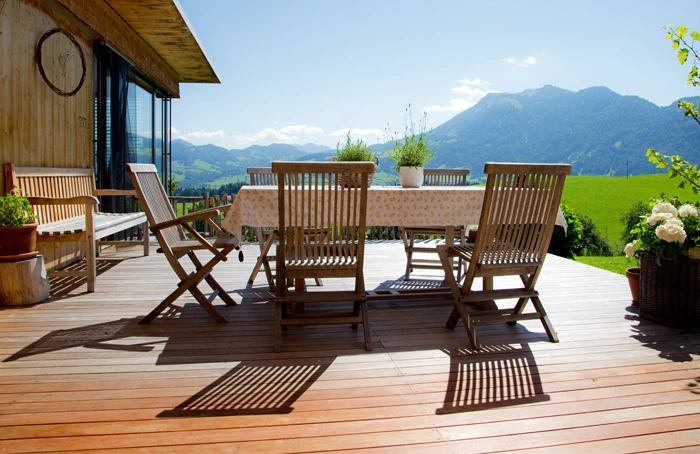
pixel 312 148
pixel 598 131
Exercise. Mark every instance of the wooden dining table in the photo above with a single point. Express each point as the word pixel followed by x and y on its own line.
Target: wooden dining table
pixel 256 206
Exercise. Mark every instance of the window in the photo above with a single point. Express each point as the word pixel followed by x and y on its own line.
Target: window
pixel 132 123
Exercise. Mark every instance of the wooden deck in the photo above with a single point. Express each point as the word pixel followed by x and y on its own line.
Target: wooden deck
pixel 79 373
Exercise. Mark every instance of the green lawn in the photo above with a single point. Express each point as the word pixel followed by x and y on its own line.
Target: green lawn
pixel 605 199
pixel 615 264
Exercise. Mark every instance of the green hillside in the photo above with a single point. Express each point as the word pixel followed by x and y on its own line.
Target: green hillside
pixel 604 199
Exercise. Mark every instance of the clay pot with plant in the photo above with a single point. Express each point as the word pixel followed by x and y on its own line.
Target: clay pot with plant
pixel 18 228
pixel 411 153
pixel 357 151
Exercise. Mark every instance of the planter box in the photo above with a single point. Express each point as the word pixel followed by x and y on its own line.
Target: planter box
pixel 670 292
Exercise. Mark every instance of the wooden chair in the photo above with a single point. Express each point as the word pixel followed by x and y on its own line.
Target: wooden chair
pixel 263 176
pixel 170 232
pixel 321 234
pixel 517 219
pixel 432 177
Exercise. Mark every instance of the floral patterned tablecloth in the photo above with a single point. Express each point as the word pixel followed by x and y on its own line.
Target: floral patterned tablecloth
pixel 256 206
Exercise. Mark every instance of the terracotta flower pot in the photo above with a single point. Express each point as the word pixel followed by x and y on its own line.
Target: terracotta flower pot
pixel 18 243
pixel 633 280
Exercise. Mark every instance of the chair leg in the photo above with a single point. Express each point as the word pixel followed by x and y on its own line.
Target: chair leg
pixel 278 327
pixel 365 326
pixel 206 304
pixel 545 319
pixel 215 286
pixel 468 325
pixel 146 240
pixel 409 240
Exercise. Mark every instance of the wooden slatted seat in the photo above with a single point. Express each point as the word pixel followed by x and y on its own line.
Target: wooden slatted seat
pixel 515 228
pixel 65 202
pixel 432 177
pixel 321 234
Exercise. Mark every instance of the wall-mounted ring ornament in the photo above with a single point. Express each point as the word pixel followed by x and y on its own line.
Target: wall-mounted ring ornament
pixel 62 60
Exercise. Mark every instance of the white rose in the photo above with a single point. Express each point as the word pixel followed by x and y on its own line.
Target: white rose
pixel 694 253
pixel 629 249
pixel 657 218
pixel 688 210
pixel 671 231
pixel 665 207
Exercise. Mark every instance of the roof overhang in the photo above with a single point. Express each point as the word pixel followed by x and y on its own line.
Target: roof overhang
pixel 163 25
pixel 154 35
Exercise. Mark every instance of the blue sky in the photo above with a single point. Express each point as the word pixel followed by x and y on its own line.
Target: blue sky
pixel 305 71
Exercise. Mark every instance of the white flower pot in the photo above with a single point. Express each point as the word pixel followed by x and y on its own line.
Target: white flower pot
pixel 411 177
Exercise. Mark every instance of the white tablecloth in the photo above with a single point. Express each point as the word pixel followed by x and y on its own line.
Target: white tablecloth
pixel 256 206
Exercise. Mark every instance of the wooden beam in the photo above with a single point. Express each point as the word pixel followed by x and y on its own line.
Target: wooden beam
pixel 109 27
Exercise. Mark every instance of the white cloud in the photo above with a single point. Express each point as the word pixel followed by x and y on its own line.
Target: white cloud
pixel 287 134
pixel 173 130
pixel 355 133
pixel 470 92
pixel 202 134
pixel 301 129
pixel 527 62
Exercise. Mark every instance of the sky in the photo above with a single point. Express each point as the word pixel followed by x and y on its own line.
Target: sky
pixel 307 71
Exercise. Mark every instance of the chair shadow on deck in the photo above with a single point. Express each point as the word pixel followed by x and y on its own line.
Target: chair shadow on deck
pixel 252 388
pixel 495 376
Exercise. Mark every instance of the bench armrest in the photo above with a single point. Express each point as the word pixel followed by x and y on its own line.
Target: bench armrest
pixel 79 200
pixel 115 192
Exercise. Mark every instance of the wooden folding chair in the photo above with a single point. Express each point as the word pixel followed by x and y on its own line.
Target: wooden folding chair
pixel 322 212
pixel 263 176
pixel 432 177
pixel 170 232
pixel 517 219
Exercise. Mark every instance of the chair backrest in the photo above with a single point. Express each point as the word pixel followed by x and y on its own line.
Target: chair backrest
pixel 446 177
pixel 320 217
pixel 261 176
pixel 517 218
pixel 154 199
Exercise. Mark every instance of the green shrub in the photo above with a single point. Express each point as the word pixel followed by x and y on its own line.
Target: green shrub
pixel 630 218
pixel 592 244
pixel 353 151
pixel 567 244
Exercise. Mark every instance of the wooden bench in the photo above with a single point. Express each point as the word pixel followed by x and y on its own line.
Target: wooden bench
pixel 65 202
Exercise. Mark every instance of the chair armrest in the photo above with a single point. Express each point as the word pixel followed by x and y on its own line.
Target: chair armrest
pixel 79 200
pixel 115 192
pixel 196 216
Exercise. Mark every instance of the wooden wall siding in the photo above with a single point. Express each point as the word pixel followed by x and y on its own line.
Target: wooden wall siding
pixel 165 28
pixel 109 27
pixel 39 127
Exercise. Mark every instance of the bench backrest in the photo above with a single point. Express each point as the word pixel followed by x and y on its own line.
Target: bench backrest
pixel 51 182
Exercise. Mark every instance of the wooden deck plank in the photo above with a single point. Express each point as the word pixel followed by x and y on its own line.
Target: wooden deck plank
pixel 79 372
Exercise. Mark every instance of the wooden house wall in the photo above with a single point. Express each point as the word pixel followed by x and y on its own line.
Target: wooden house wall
pixel 40 127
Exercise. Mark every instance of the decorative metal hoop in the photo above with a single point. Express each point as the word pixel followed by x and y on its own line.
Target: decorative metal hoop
pixel 41 66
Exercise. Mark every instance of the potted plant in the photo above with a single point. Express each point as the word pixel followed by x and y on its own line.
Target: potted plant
pixel 356 152
pixel 667 240
pixel 411 153
pixel 18 228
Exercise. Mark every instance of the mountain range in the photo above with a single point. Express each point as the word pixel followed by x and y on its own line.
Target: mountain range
pixel 597 131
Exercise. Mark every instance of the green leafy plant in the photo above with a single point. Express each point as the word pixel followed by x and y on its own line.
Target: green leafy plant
pixel 15 210
pixel 353 151
pixel 567 243
pixel 672 229
pixel 414 149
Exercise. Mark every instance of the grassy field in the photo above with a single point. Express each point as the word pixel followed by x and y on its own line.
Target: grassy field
pixel 615 264
pixel 605 199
